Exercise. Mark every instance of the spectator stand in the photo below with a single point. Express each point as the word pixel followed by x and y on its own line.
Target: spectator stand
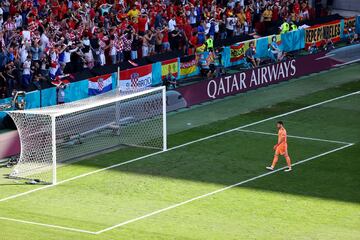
pixel 291 41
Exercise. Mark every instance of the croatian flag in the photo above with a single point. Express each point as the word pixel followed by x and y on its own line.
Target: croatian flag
pixel 100 84
pixel 136 78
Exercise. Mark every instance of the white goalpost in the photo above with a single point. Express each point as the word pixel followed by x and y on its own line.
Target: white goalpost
pixel 60 134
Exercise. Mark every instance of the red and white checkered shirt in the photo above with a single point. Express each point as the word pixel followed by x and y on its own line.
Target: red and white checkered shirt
pixel 127 43
pixel 119 45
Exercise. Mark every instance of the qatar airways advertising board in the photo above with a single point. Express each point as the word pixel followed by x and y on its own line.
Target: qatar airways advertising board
pixel 241 82
pixel 250 79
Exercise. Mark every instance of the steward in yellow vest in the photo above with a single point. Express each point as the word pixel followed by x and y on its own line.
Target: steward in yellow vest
pixel 209 43
pixel 285 27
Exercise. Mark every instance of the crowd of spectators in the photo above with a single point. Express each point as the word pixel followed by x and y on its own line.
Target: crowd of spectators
pixel 43 39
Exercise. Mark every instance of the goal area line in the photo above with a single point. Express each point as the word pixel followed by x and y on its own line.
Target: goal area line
pixel 241 128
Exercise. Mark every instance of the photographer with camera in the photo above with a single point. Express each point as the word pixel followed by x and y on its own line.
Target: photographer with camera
pixel 250 55
pixel 328 44
pixel 313 48
pixel 169 80
pixel 275 51
pixel 355 39
pixel 207 64
pixel 219 67
pixel 352 37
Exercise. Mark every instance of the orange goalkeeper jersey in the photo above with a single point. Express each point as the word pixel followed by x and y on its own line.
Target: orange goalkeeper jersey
pixel 282 135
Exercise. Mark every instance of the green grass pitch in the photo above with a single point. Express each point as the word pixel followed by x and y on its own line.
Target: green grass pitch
pixel 216 187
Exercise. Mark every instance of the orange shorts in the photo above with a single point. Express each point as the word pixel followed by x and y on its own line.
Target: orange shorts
pixel 281 149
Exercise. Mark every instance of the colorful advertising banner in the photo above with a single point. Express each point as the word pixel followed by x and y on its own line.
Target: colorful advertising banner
pixel 318 33
pixel 277 37
pixel 255 78
pixel 188 65
pixel 349 23
pixel 237 52
pixel 100 84
pixel 136 78
pixel 171 66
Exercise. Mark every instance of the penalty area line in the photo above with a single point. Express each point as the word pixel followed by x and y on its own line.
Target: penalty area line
pixel 180 146
pixel 218 191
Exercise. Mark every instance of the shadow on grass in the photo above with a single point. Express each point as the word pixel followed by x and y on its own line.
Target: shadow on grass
pixel 334 176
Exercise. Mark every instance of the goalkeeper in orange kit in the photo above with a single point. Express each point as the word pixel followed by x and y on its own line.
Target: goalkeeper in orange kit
pixel 281 148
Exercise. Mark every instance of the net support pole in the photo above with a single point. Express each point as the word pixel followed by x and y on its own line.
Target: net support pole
pixel 164 119
pixel 53 143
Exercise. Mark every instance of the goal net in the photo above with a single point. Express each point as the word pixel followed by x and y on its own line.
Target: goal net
pixel 64 133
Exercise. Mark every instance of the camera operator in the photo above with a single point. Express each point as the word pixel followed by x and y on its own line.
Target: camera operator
pixel 208 65
pixel 354 38
pixel 250 55
pixel 219 67
pixel 313 48
pixel 350 36
pixel 275 50
pixel 169 80
pixel 204 66
pixel 328 44
pixel 18 100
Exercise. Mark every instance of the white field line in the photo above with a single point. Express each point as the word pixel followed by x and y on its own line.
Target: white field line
pixel 292 136
pixel 172 206
pixel 47 225
pixel 326 56
pixel 218 191
pixel 180 146
pixel 347 63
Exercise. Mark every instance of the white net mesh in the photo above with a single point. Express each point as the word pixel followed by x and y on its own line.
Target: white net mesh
pixel 87 127
pixel 36 149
